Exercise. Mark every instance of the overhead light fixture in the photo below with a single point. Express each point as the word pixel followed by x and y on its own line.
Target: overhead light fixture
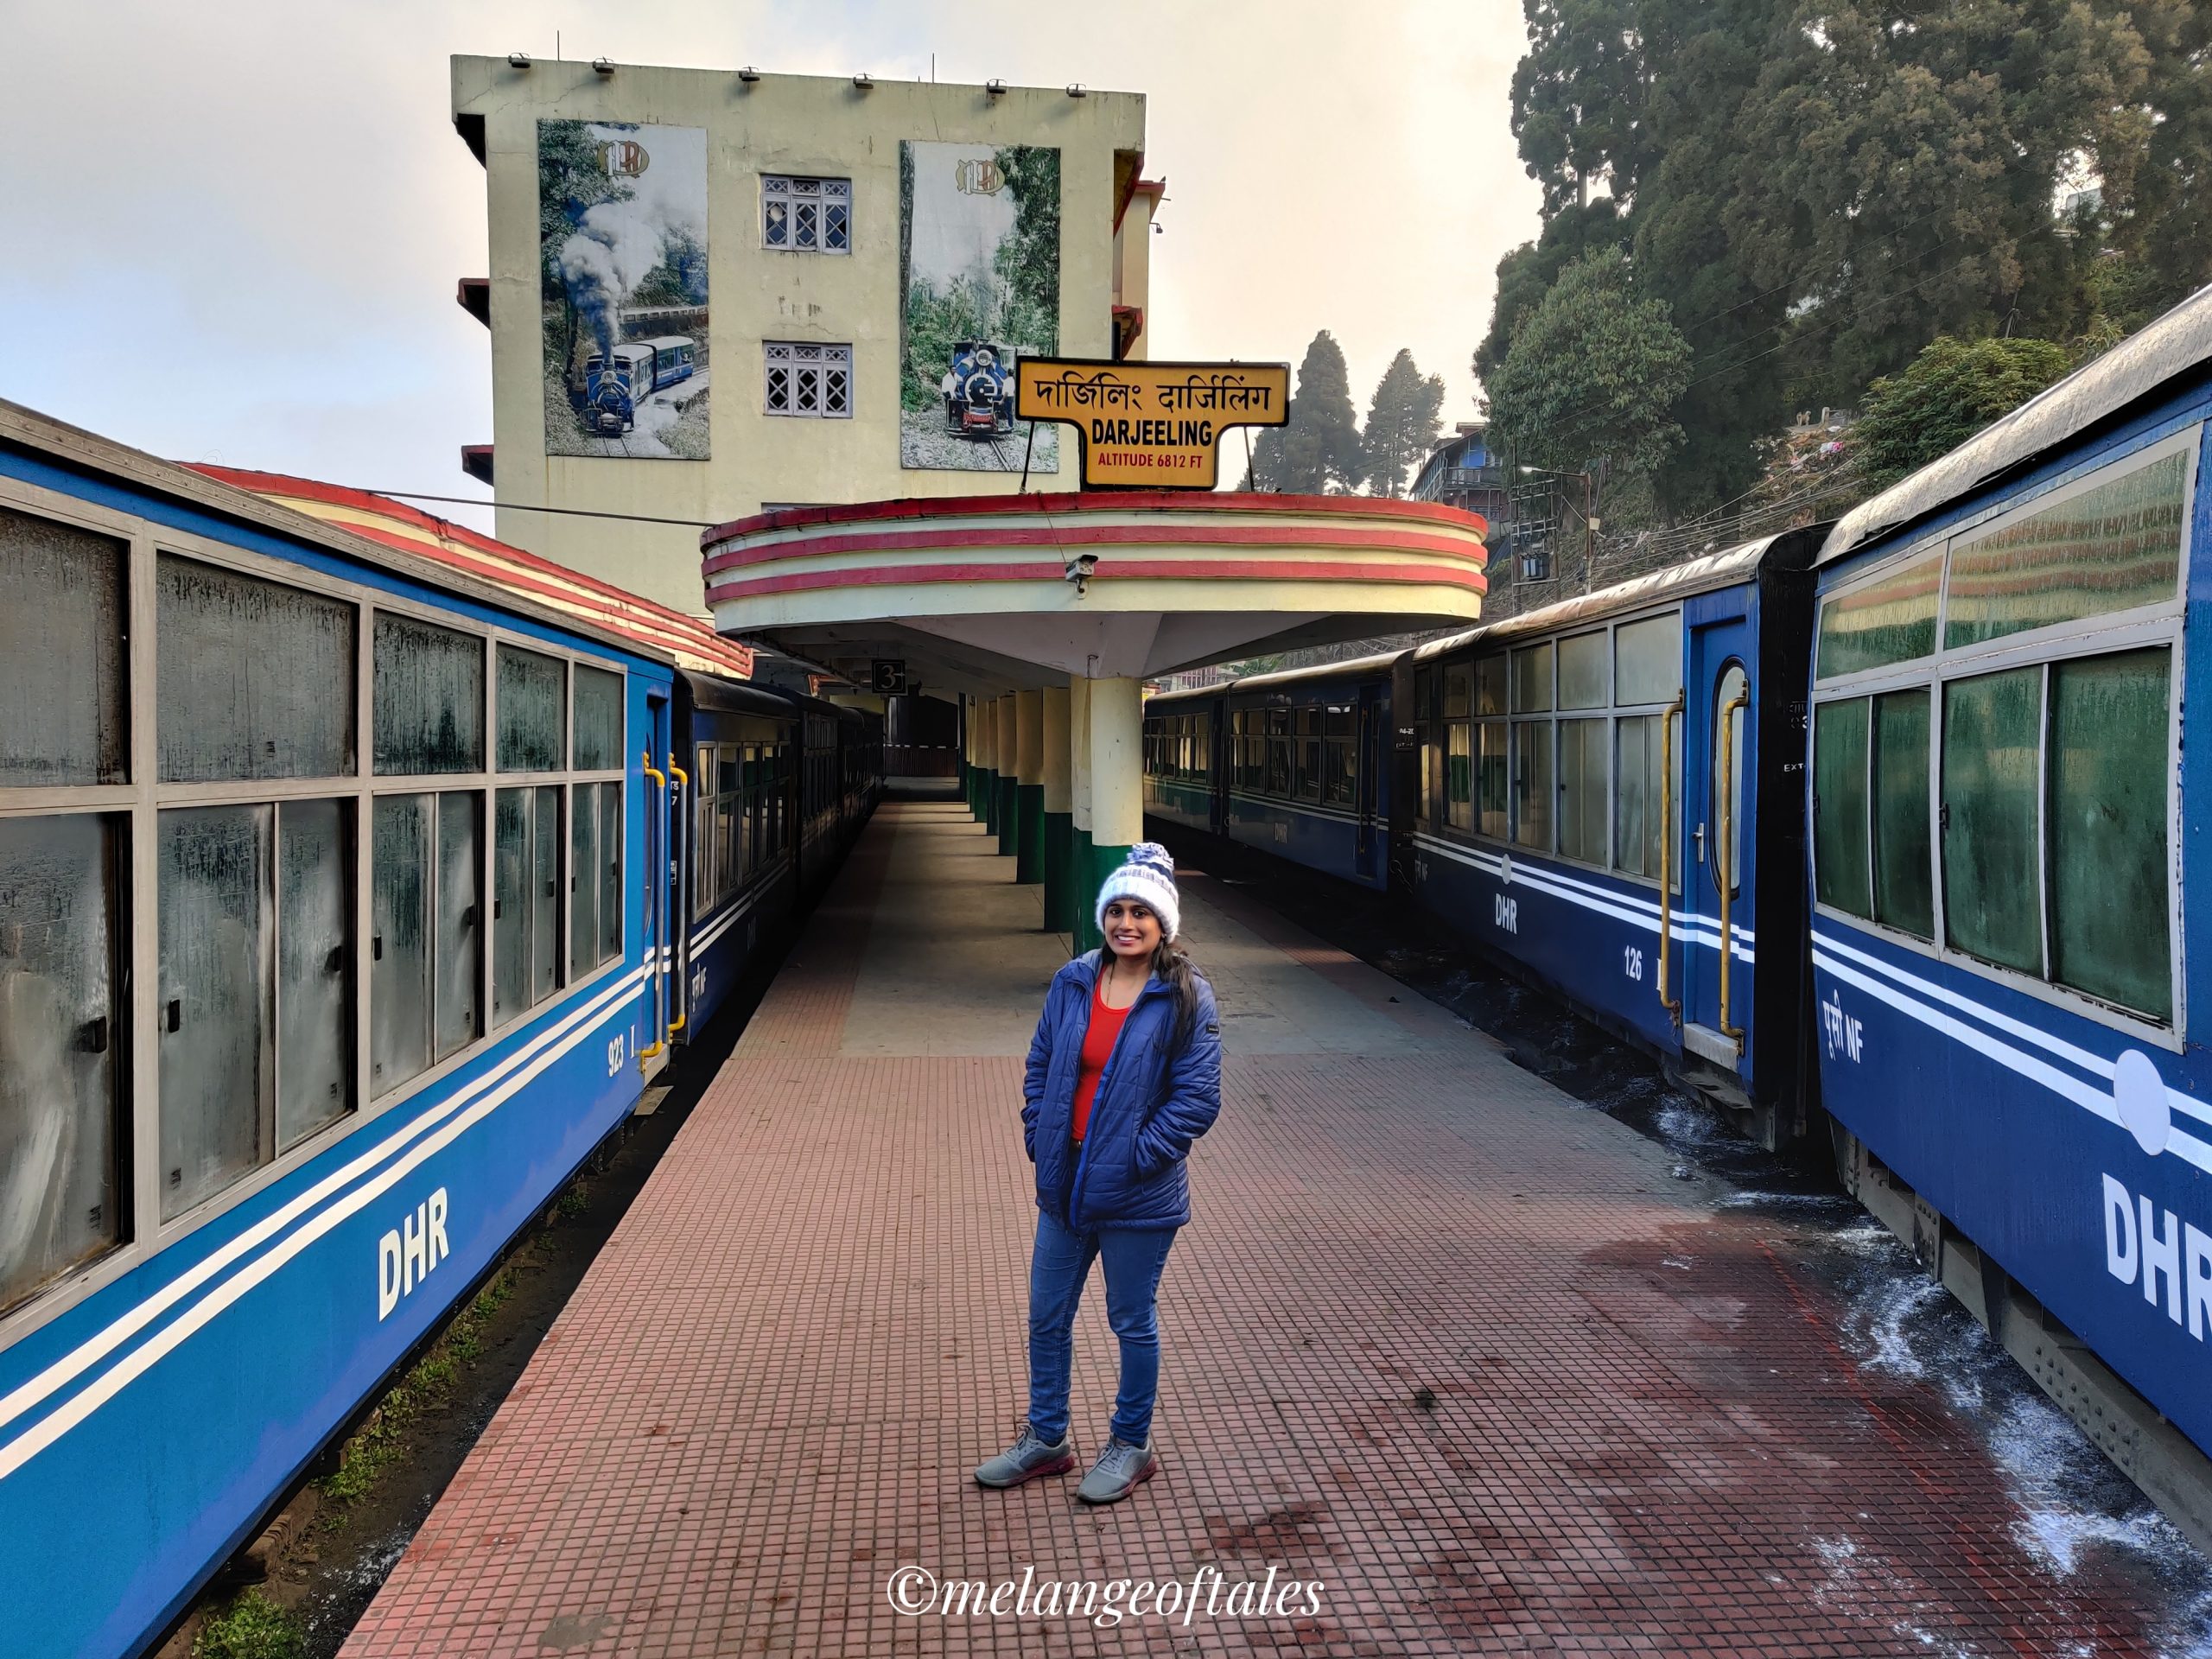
pixel 518 59
pixel 605 66
pixel 1076 90
pixel 996 88
pixel 748 74
pixel 865 82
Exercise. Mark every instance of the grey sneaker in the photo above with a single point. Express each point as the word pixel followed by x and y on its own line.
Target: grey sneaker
pixel 1121 1469
pixel 1027 1459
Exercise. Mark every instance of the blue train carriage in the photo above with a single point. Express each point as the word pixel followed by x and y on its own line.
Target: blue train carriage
pixel 1184 732
pixel 2007 815
pixel 742 885
pixel 1305 770
pixel 326 956
pixel 1568 762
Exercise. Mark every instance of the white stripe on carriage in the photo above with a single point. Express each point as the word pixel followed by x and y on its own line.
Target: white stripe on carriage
pixel 728 919
pixel 1691 930
pixel 52 1427
pixel 2096 1101
pixel 1492 863
pixel 2005 1022
pixel 88 1353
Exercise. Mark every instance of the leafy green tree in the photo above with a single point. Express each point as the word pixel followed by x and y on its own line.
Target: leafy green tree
pixel 1028 260
pixel 1952 390
pixel 1818 188
pixel 1320 451
pixel 1403 421
pixel 1264 471
pixel 1593 374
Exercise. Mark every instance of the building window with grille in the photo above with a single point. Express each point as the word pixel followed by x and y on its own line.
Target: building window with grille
pixel 806 215
pixel 813 382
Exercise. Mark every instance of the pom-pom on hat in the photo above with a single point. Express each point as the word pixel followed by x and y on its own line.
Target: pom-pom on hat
pixel 1147 874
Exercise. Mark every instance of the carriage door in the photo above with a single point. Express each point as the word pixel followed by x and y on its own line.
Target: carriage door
pixel 656 908
pixel 1719 725
pixel 1371 741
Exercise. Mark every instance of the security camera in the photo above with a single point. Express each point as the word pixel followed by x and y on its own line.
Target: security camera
pixel 1080 568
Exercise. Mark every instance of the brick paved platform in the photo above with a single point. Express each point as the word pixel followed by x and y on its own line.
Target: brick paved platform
pixel 1440 1339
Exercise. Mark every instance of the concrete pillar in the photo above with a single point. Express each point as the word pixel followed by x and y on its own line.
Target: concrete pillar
pixel 1080 889
pixel 966 751
pixel 990 778
pixel 1117 775
pixel 1059 764
pixel 1029 786
pixel 1008 822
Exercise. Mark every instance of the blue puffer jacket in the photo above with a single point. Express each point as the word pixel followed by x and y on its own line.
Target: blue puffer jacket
pixel 1151 1104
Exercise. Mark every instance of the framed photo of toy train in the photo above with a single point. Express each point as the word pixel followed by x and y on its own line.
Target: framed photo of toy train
pixel 1151 426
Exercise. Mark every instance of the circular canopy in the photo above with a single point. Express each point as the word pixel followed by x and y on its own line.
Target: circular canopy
pixel 984 594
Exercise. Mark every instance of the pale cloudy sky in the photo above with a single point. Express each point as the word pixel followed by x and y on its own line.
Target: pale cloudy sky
pixel 233 231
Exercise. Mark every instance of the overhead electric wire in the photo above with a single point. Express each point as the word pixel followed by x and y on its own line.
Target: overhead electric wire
pixel 524 506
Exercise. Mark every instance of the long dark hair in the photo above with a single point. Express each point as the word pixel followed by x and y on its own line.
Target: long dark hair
pixel 1172 963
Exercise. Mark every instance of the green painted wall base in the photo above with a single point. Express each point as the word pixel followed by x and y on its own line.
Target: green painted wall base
pixel 1059 883
pixel 1029 815
pixel 990 812
pixel 1082 889
pixel 1007 824
pixel 1101 863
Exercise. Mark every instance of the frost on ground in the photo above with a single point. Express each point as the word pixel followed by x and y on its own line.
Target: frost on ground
pixel 2072 1501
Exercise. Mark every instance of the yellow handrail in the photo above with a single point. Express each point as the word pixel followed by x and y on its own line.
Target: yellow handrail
pixel 660 778
pixel 1725 858
pixel 1672 1004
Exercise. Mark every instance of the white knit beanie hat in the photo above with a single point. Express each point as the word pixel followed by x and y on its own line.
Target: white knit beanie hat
pixel 1148 873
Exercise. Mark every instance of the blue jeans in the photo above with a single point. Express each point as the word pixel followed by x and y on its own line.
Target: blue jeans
pixel 1057 1270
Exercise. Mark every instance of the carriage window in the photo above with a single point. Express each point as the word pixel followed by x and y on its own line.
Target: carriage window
pixel 1582 818
pixel 533 696
pixel 1992 886
pixel 1839 749
pixel 599 719
pixel 2110 768
pixel 428 701
pixel 1648 661
pixel 2115 547
pixel 1532 678
pixel 1490 685
pixel 314 969
pixel 255 678
pixel 610 871
pixel 806 215
pixel 1532 784
pixel 1729 719
pixel 1492 774
pixel 1459 779
pixel 215 993
pixel 1342 766
pixel 1904 894
pixel 61 1199
pixel 1640 794
pixel 1582 672
pixel 61 661
pixel 1307 725
pixel 459 956
pixel 511 911
pixel 813 382
pixel 1890 619
pixel 583 880
pixel 400 888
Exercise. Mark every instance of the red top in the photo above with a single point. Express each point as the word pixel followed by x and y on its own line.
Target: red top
pixel 1097 1047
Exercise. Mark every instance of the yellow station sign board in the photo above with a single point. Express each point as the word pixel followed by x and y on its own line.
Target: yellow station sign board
pixel 1151 426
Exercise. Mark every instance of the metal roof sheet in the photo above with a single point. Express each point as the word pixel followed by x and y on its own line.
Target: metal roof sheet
pixel 2158 357
pixel 1692 576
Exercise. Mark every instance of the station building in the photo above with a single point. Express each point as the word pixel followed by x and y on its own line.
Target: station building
pixel 784 280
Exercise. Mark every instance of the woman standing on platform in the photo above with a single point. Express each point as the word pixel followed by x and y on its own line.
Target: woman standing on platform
pixel 1124 1073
